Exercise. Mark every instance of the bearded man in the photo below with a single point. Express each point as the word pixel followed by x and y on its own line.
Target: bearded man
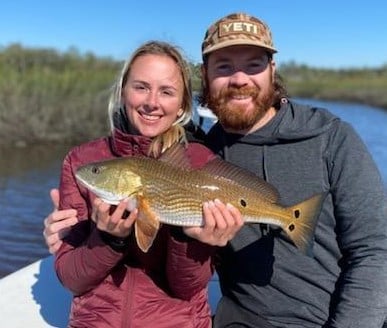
pixel 302 151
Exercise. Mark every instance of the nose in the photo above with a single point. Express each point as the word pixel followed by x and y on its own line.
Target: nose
pixel 239 79
pixel 152 100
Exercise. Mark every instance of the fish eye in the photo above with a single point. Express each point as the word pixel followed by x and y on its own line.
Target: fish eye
pixel 291 227
pixel 296 214
pixel 95 170
pixel 243 202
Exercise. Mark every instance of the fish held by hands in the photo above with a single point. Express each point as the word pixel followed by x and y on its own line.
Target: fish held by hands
pixel 167 190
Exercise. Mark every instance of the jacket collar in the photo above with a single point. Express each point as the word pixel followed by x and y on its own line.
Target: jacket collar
pixel 124 140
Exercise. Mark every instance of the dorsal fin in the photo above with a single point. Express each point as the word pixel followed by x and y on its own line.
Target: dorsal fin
pixel 221 168
pixel 176 156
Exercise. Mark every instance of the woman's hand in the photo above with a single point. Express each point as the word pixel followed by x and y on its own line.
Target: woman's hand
pixel 114 220
pixel 57 224
pixel 221 223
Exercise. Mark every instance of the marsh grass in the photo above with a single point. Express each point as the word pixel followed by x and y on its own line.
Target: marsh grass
pixel 366 86
pixel 52 97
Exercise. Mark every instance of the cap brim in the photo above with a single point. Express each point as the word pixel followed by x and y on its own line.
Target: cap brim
pixel 230 43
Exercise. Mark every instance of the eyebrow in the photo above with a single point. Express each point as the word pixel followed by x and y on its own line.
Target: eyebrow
pixel 162 86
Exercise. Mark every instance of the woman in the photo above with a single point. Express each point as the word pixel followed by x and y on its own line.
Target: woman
pixel 114 283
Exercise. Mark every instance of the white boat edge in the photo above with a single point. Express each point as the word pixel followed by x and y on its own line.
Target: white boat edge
pixel 34 297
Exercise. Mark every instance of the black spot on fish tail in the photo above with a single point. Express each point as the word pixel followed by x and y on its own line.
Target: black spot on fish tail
pixel 306 213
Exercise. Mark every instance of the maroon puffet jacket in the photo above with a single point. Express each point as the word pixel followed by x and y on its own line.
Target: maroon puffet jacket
pixel 165 287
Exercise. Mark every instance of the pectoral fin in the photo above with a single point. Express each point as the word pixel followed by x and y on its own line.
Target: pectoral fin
pixel 146 225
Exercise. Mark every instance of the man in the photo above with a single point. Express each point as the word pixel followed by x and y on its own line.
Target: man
pixel 302 151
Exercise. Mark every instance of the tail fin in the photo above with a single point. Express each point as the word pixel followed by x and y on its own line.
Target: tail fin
pixel 305 215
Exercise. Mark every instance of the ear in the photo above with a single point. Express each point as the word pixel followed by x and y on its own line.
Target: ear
pixel 273 68
pixel 203 76
pixel 180 112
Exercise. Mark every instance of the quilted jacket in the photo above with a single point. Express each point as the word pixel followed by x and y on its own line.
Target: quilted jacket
pixel 165 287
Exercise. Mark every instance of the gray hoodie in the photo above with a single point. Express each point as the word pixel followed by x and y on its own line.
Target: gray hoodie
pixel 303 151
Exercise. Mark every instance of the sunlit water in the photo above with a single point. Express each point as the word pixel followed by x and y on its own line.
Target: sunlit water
pixel 27 174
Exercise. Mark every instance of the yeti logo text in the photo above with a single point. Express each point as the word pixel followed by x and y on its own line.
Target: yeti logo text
pixel 238 27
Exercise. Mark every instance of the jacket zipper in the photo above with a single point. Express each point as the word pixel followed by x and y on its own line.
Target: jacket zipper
pixel 128 298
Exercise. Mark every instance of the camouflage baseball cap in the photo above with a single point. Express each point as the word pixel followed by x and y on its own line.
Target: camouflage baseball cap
pixel 237 29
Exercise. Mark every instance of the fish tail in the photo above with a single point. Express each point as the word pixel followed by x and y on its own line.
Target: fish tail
pixel 304 221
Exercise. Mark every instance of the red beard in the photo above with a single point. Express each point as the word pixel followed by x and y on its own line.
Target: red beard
pixel 235 117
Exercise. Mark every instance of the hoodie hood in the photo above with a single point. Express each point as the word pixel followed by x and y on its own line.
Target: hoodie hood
pixel 293 121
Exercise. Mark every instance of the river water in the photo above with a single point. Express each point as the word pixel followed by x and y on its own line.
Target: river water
pixel 27 174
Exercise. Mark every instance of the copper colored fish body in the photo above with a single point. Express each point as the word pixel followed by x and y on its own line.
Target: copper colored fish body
pixel 168 191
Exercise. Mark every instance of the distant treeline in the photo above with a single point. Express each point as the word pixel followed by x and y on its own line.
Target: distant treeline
pixel 51 96
pixel 361 85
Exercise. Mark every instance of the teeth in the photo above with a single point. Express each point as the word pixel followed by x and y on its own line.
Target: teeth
pixel 150 117
pixel 240 97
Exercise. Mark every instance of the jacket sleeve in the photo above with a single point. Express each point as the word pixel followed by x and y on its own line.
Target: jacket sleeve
pixel 361 223
pixel 189 265
pixel 83 260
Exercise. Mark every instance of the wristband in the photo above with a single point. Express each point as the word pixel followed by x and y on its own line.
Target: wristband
pixel 119 244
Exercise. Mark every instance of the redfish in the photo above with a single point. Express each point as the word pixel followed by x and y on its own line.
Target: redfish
pixel 168 191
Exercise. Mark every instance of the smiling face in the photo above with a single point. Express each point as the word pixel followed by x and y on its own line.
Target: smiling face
pixel 240 82
pixel 153 94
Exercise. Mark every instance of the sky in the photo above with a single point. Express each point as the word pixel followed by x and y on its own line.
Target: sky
pixel 323 34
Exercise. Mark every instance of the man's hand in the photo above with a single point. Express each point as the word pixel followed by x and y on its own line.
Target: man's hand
pixel 221 223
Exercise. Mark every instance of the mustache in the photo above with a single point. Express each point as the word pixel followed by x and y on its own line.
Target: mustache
pixel 231 92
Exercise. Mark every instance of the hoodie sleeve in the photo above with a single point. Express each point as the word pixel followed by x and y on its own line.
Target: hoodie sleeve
pixel 83 260
pixel 361 223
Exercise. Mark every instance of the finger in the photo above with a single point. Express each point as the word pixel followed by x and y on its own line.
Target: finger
pixel 54 194
pixel 194 232
pixel 131 218
pixel 236 215
pixel 94 213
pixel 221 215
pixel 231 215
pixel 47 221
pixel 97 202
pixel 98 210
pixel 51 239
pixel 208 217
pixel 118 218
pixel 119 212
pixel 234 222
pixel 60 225
pixel 55 247
pixel 62 215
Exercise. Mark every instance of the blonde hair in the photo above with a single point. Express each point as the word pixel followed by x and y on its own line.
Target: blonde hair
pixel 176 132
